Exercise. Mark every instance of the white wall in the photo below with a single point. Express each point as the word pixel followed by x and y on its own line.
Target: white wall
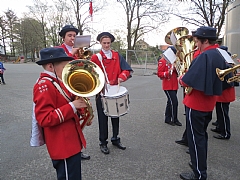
pixel 232 28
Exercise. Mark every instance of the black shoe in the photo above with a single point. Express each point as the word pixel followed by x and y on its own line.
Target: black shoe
pixel 85 156
pixel 219 136
pixel 215 130
pixel 187 151
pixel 119 145
pixel 215 123
pixel 178 123
pixel 170 123
pixel 104 149
pixel 182 142
pixel 188 176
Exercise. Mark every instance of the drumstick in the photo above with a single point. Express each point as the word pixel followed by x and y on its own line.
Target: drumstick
pixel 118 87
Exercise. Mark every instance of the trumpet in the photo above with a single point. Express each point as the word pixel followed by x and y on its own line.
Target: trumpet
pixel 234 78
pixel 222 73
pixel 84 52
pixel 234 56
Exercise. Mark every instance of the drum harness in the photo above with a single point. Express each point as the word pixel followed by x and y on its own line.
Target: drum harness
pixel 106 77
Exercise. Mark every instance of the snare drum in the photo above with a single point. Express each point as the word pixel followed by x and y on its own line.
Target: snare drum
pixel 115 101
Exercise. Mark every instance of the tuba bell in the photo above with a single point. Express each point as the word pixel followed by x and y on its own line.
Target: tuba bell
pixel 84 79
pixel 176 33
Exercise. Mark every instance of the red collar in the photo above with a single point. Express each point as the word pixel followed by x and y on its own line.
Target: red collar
pixel 211 47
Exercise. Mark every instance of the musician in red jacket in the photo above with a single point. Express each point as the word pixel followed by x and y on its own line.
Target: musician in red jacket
pixel 222 112
pixel 56 112
pixel 117 71
pixel 168 74
pixel 222 106
pixel 68 33
pixel 204 87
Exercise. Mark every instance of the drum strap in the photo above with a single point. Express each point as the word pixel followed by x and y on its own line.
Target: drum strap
pixel 100 59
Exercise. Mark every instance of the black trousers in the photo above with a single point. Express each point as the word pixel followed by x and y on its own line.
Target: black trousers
pixel 171 110
pixel 197 123
pixel 68 169
pixel 103 124
pixel 222 111
pixel 184 136
pixel 1 76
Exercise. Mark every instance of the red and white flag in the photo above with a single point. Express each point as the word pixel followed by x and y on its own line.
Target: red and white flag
pixel 91 9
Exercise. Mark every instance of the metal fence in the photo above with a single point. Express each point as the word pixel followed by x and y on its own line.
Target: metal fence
pixel 145 62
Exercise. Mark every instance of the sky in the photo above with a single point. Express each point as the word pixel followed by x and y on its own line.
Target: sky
pixel 107 22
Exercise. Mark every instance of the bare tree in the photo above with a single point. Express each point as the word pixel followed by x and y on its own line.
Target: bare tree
pixel 11 21
pixel 142 16
pixel 30 37
pixel 83 17
pixel 39 12
pixel 120 40
pixel 3 33
pixel 205 13
pixel 55 21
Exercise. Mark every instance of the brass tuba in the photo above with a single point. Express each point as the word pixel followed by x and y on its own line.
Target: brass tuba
pixel 176 33
pixel 185 47
pixel 84 79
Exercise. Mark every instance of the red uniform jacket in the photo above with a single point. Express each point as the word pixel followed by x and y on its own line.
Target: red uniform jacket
pixel 61 126
pixel 169 82
pixel 112 67
pixel 68 53
pixel 228 95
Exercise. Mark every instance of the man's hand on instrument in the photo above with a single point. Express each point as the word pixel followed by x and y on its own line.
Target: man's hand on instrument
pixel 79 103
pixel 89 123
pixel 75 51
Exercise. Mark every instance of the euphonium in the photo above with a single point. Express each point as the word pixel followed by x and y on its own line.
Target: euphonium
pixel 185 46
pixel 177 33
pixel 222 73
pixel 84 79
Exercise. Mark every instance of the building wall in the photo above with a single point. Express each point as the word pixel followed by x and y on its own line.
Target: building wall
pixel 232 28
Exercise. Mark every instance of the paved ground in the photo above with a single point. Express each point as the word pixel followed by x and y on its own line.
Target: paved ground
pixel 151 152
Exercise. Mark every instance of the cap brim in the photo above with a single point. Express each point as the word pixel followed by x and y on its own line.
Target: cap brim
pixel 42 62
pixel 62 32
pixel 204 37
pixel 105 34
